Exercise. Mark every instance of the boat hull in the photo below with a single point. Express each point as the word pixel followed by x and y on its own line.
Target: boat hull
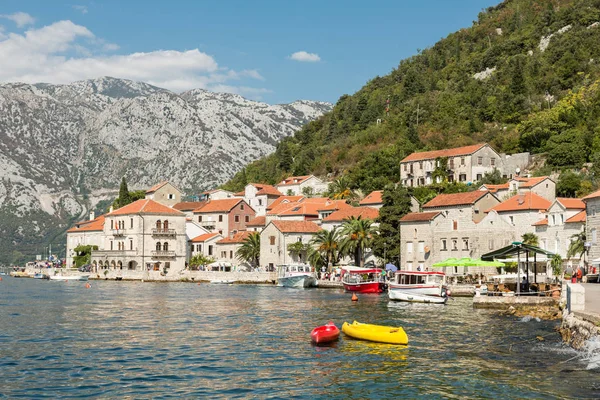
pixel 375 333
pixel 399 295
pixel 297 281
pixel 367 287
pixel 222 282
pixel 69 278
pixel 325 334
pixel 426 290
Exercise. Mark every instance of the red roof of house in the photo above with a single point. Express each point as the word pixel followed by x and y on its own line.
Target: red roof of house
pixel 375 197
pixel 495 188
pixel 429 155
pixel 347 213
pixel 241 193
pixel 309 206
pixel 219 206
pixel 156 187
pixel 258 221
pixel 239 237
pixel 145 206
pixel 420 217
pixel 204 237
pixel 294 180
pixel 521 202
pixel 541 222
pixel 592 196
pixel 189 205
pixel 296 226
pixel 333 205
pixel 455 199
pixel 264 189
pixel 530 182
pixel 283 199
pixel 579 217
pixel 571 204
pixel 97 224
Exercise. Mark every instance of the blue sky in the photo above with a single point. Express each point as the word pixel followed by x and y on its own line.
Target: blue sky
pixel 245 47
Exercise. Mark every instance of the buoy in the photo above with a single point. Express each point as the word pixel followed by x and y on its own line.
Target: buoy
pixel 198 283
pixel 354 297
pixel 87 286
pixel 0 279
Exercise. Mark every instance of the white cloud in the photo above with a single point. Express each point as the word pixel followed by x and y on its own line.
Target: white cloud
pixel 81 9
pixel 303 56
pixel 19 18
pixel 64 52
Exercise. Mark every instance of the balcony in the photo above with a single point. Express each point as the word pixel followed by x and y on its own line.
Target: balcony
pixel 163 254
pixel 163 232
pixel 117 232
pixel 208 223
pixel 113 253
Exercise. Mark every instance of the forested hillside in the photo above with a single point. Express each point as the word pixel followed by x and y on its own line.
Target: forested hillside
pixel 524 77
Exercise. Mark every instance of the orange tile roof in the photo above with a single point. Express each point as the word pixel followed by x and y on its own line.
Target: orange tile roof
pixel 347 213
pixel 189 205
pixel 296 226
pixel 455 199
pixel 156 187
pixel 241 193
pixel 541 222
pixel 258 221
pixel 291 179
pixel 97 224
pixel 219 206
pixel 333 205
pixel 571 204
pixel 579 217
pixel 204 237
pixel 430 155
pixel 264 189
pixel 530 182
pixel 239 237
pixel 309 206
pixel 420 217
pixel 145 206
pixel 495 188
pixel 283 199
pixel 592 196
pixel 521 202
pixel 375 197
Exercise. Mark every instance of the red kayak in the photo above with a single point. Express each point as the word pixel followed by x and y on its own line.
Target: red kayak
pixel 325 334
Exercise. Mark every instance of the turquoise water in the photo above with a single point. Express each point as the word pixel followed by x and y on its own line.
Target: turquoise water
pixel 142 340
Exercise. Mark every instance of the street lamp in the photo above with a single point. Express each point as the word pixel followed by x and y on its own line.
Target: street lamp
pixel 384 252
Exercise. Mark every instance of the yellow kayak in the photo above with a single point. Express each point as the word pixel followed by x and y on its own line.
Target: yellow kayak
pixel 375 333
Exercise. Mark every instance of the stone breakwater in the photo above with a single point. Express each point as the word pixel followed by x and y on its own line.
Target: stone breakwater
pixel 577 328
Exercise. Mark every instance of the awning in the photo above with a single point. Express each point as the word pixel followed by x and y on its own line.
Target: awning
pixel 513 249
pixel 391 267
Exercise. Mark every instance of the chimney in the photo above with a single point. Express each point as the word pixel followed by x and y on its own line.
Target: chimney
pixel 111 209
pixel 92 215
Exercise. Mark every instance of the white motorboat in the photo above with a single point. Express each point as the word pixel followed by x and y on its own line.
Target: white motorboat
pixel 296 276
pixel 416 298
pixel 69 277
pixel 419 286
pixel 222 282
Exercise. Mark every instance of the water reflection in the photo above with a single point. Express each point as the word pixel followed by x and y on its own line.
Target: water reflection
pixel 121 339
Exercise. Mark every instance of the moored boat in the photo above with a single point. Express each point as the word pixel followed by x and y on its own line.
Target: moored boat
pixel 325 334
pixel 362 280
pixel 69 277
pixel 40 275
pixel 375 333
pixel 399 295
pixel 296 276
pixel 222 281
pixel 421 283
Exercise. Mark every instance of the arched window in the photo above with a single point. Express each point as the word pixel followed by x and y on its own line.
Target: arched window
pixel 166 246
pixel 158 225
pixel 157 246
pixel 166 225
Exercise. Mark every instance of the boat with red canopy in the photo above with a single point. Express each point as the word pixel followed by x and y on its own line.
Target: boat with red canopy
pixel 325 334
pixel 363 280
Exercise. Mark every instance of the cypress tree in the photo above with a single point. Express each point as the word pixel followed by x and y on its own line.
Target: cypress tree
pixel 124 197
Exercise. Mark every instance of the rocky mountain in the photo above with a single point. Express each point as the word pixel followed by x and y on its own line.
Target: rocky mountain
pixel 64 148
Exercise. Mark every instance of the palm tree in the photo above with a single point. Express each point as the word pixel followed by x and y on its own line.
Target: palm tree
pixel 577 246
pixel 530 239
pixel 340 189
pixel 250 249
pixel 358 235
pixel 327 244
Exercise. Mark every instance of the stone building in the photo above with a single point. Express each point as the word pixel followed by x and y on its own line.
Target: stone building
pixel 375 200
pixel 228 247
pixel 205 244
pixel 85 233
pixel 297 185
pixel 542 186
pixel 224 216
pixel 164 193
pixel 522 211
pixel 592 210
pixel 188 207
pixel 144 235
pixel 259 196
pixel 278 235
pixel 565 218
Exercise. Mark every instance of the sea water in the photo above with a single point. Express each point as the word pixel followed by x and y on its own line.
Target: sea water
pixel 142 340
